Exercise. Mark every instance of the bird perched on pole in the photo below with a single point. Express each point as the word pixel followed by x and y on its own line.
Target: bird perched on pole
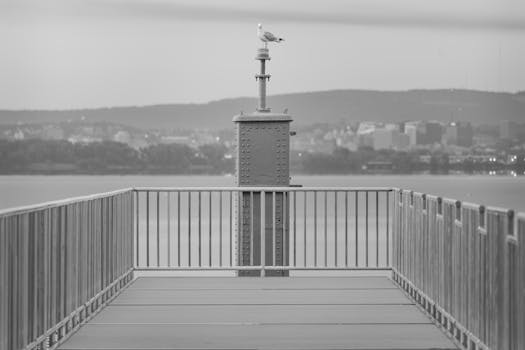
pixel 267 37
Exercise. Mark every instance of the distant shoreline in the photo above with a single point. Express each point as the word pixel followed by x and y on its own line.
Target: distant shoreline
pixel 160 173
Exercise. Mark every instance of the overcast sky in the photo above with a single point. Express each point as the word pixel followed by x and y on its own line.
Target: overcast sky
pixel 94 53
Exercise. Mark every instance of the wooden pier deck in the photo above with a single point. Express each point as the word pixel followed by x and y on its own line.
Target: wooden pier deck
pixel 260 313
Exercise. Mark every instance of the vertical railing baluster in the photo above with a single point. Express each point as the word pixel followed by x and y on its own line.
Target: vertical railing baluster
pixel 325 228
pixel 231 228
pixel 274 246
pixel 158 228
pixel 335 228
pixel 189 228
pixel 315 228
pixel 5 324
pixel 305 197
pixel 137 196
pixel 387 228
pixel 178 228
pixel 377 228
pixel 366 229
pixel 220 228
pixel 356 228
pixel 200 228
pixel 294 228
pixel 147 228
pixel 346 228
pixel 285 237
pixel 169 228
pixel 252 243
pixel 209 232
pixel 263 233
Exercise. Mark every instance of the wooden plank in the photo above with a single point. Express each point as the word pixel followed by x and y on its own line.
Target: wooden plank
pixel 299 314
pixel 263 336
pixel 247 283
pixel 217 297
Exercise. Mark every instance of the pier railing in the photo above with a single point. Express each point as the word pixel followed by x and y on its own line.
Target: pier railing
pixel 60 263
pixel 465 265
pixel 327 228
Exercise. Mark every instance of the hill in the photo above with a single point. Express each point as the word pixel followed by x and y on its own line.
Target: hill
pixel 306 108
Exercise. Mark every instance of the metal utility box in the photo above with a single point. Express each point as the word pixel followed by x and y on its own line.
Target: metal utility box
pixel 263 156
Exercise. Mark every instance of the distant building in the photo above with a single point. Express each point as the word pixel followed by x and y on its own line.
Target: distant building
pixel 390 138
pixel 18 135
pixel 203 138
pixel 434 132
pixel 458 134
pixel 401 141
pixel 365 133
pixel 366 127
pixel 52 132
pixel 122 136
pixel 348 140
pixel 465 134
pixel 184 140
pixel 366 140
pixel 394 127
pixel 383 139
pixel 83 139
pixel 411 132
pixel 423 133
pixel 378 166
pixel 507 130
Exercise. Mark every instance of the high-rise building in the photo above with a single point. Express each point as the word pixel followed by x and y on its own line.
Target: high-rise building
pixel 434 132
pixel 450 136
pixel 465 134
pixel 459 134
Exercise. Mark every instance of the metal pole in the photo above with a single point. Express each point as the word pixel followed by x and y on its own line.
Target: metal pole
pixel 262 86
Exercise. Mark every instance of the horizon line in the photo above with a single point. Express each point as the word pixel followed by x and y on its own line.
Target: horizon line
pixel 159 104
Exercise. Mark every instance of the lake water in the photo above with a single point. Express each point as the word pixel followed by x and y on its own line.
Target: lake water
pixel 501 191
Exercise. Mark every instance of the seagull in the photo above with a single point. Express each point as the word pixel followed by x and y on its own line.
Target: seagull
pixel 267 37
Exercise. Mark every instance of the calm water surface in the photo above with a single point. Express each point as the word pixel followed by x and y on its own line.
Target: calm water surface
pixel 507 192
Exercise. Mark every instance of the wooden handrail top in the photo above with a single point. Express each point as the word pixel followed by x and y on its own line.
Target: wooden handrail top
pixel 60 202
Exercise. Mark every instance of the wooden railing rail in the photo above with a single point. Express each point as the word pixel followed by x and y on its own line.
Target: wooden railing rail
pixel 465 265
pixel 60 262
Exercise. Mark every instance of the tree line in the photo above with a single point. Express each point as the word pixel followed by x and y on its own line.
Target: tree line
pixel 368 160
pixel 49 156
pixel 35 156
